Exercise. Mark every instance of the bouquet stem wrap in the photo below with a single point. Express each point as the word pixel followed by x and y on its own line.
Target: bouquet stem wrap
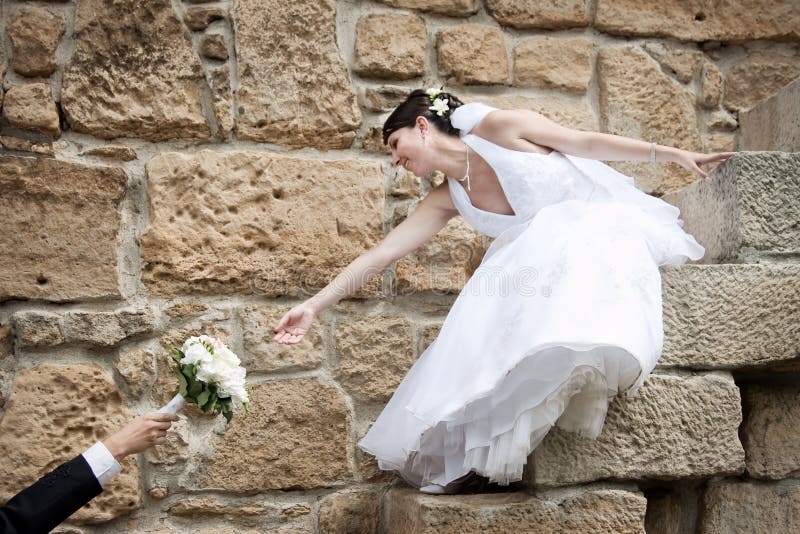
pixel 174 405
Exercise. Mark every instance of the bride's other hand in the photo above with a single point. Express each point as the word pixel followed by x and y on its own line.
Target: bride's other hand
pixel 294 325
pixel 693 160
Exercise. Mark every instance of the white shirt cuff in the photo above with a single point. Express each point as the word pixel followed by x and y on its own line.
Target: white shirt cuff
pixel 103 464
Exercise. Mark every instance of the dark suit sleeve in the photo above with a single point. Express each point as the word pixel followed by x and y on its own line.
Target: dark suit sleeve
pixel 53 498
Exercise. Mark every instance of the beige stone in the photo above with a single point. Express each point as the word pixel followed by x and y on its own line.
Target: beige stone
pixel 773 124
pixel 158 493
pixel 372 141
pixel 262 354
pixel 137 367
pixel 354 512
pixel 34 34
pixel 581 510
pixel 472 54
pixel 295 437
pixel 184 310
pixel 31 107
pixel 25 145
pixel 706 306
pixel 720 142
pixel 444 263
pixel 56 412
pixel 294 88
pixel 680 61
pixel 772 431
pixel 106 329
pixel 721 120
pixel 757 77
pixel 405 184
pixel 711 82
pixel 637 100
pixel 133 73
pixel 37 329
pixel 380 99
pixel 120 152
pixel 6 341
pixel 175 447
pixel 205 509
pixel 279 225
pixel 213 47
pixel 734 506
pixel 390 46
pixel 548 62
pixel 373 355
pixel 567 111
pixel 49 252
pixel 552 15
pixel 219 80
pixel 198 18
pixel 673 509
pixel 738 20
pixel 455 8
pixel 674 427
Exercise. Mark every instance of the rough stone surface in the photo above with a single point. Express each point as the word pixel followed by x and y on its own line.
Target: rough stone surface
pixel 67 257
pixel 427 334
pixel 37 329
pixel 356 512
pixel 384 52
pixel 293 85
pixel 637 100
pixel 175 448
pixel 720 142
pixel 185 310
pixel 262 354
pixel 674 427
pixel 547 62
pixel 773 124
pixel 711 81
pixel 721 120
pixel 737 20
pixel 772 431
pixel 373 355
pixel 566 111
pixel 552 15
pixel 455 8
pixel 205 509
pixel 213 47
pixel 120 152
pixel 133 73
pixel 380 99
pixel 25 145
pixel 219 81
pixel 56 412
pixel 583 510
pixel 262 235
pixel 733 506
pixel 106 329
pixel 34 35
pixel 198 18
pixel 137 368
pixel 295 437
pixel 730 316
pixel 757 77
pixel 405 184
pixel 31 107
pixel 680 62
pixel 747 207
pixel 472 54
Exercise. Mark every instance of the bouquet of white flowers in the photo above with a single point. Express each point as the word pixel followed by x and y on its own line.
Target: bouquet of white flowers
pixel 209 375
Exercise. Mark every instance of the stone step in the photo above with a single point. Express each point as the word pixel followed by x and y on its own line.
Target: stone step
pixel 747 210
pixel 774 123
pixel 585 509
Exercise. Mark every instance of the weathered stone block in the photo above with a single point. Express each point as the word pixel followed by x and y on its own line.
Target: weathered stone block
pixel 213 47
pixel 757 77
pixel 552 15
pixel 262 354
pixel 106 329
pixel 683 62
pixel 245 222
pixel 384 52
pixel 547 62
pixel 773 124
pixel 31 107
pixel 354 512
pixel 674 427
pixel 772 431
pixel 734 506
pixel 454 8
pixel 472 54
pixel 50 253
pixel 37 329
pixel 34 34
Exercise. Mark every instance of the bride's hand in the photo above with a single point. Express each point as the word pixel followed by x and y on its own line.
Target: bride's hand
pixel 294 324
pixel 693 160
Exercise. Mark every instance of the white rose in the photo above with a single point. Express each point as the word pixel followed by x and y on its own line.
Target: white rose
pixel 196 353
pixel 439 106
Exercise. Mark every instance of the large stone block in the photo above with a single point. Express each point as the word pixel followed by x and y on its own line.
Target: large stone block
pixel 566 111
pixel 61 229
pixel 472 54
pixel 34 34
pixel 674 427
pixel 736 20
pixel 31 106
pixel 730 316
pixel 637 100
pixel 552 15
pixel 581 510
pixel 106 329
pixel 262 354
pixel 553 63
pixel 245 222
pixel 295 437
pixel 354 512
pixel 757 77
pixel 772 431
pixel 390 46
pixel 683 62
pixel 37 329
pixel 734 506
pixel 55 413
pixel 454 8
pixel 133 73
pixel 773 124
pixel 747 208
pixel 373 355
pixel 293 84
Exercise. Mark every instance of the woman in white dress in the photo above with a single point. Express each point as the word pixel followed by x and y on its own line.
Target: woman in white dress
pixel 564 311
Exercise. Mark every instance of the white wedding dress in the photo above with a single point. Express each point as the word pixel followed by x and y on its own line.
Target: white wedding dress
pixel 563 313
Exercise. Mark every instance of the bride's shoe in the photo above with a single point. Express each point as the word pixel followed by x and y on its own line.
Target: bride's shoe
pixel 453 487
pixel 434 489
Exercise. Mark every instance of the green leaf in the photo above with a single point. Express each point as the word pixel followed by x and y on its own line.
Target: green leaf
pixel 195 388
pixel 228 415
pixel 202 398
pixel 182 385
pixel 212 402
pixel 190 371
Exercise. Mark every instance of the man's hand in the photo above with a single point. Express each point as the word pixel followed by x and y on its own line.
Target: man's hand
pixel 139 435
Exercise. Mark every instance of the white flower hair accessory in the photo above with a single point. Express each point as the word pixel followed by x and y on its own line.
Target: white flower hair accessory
pixel 439 104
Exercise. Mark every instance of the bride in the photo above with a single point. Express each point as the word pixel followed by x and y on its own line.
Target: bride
pixel 577 248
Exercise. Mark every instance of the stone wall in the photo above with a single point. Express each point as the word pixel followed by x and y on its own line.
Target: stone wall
pixel 175 167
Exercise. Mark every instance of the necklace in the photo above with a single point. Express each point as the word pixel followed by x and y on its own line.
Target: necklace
pixel 466 175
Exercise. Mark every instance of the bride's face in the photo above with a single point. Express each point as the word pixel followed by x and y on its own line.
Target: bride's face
pixel 409 152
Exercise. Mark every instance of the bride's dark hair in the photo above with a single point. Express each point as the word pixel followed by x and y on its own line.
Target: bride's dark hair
pixel 416 104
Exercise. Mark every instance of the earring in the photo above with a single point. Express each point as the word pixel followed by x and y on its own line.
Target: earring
pixel 423 139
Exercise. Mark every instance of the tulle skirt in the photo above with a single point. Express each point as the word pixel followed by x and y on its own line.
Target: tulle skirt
pixel 563 314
